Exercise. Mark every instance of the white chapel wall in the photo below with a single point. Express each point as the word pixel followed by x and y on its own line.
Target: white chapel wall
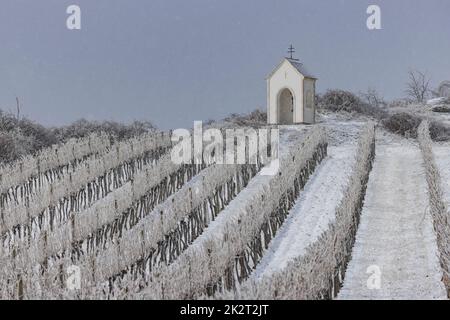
pixel 285 77
pixel 309 96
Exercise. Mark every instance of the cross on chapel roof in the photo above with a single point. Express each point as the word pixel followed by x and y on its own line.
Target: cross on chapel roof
pixel 291 50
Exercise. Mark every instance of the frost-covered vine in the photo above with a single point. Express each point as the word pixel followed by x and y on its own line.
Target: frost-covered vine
pixel 217 252
pixel 319 273
pixel 93 224
pixel 57 156
pixel 438 207
pixel 23 203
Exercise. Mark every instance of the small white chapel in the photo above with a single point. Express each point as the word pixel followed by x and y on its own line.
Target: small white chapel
pixel 291 90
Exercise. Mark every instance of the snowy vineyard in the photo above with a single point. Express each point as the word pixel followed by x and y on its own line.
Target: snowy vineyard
pixel 137 225
pixel 319 273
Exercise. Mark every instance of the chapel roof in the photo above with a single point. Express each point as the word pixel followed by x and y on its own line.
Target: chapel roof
pixel 300 67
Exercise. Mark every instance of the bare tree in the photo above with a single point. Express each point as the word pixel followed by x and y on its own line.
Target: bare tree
pixel 418 86
pixel 373 98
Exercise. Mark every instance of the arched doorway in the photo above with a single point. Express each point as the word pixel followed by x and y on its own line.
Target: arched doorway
pixel 285 107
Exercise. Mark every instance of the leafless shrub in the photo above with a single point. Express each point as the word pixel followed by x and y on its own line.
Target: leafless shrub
pixel 403 123
pixel 120 131
pixel 441 109
pixel 439 132
pixel 254 118
pixel 339 100
pixel 21 136
pixel 14 145
pixel 418 86
pixel 373 98
pixel 406 124
pixel 400 103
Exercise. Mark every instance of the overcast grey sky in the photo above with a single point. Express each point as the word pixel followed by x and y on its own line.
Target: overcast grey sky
pixel 173 62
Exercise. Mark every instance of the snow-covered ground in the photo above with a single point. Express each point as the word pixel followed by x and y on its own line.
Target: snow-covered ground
pixel 290 134
pixel 395 233
pixel 313 211
pixel 342 129
pixel 437 101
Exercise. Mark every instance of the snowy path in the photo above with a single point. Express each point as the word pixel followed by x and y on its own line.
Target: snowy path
pixel 395 232
pixel 312 212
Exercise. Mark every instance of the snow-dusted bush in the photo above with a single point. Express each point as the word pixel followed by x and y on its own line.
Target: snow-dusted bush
pixel 438 207
pixel 400 103
pixel 320 271
pixel 340 100
pixel 373 98
pixel 14 145
pixel 407 125
pixel 439 131
pixel 403 123
pixel 441 109
pixel 118 131
pixel 29 137
pixel 217 253
pixel 254 118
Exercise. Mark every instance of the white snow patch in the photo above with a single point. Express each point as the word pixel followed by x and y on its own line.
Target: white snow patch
pixel 436 101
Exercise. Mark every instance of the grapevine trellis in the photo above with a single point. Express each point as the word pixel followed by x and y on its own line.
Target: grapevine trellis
pixel 53 242
pixel 240 221
pixel 19 204
pixel 188 229
pixel 76 239
pixel 56 215
pixel 438 206
pixel 136 224
pixel 246 262
pixel 319 273
pixel 32 168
